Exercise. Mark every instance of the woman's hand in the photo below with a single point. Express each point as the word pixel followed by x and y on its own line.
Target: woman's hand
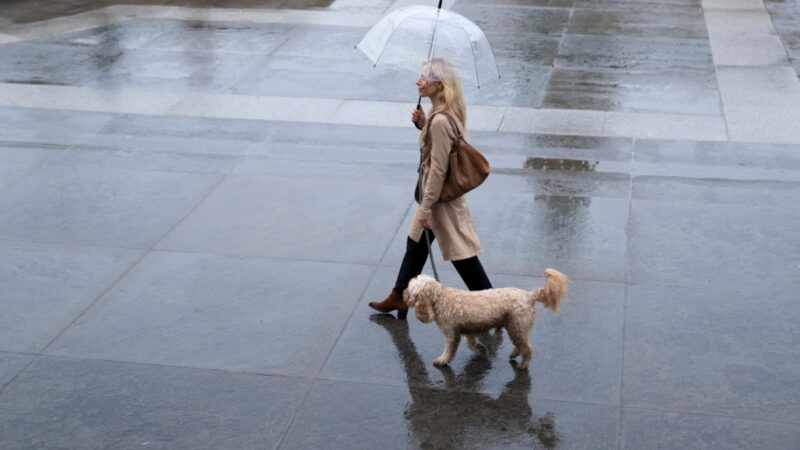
pixel 425 218
pixel 418 117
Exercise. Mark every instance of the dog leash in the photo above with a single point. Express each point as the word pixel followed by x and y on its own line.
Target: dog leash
pixel 430 253
pixel 426 231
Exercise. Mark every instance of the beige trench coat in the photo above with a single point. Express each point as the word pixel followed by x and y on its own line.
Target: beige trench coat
pixel 450 221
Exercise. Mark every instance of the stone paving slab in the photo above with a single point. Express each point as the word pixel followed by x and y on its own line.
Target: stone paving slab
pixel 11 364
pixel 221 37
pixel 522 85
pixel 717 161
pixel 785 17
pixel 669 430
pixel 668 6
pixel 750 50
pixel 99 207
pixel 759 86
pixel 337 78
pixel 553 122
pixel 670 92
pixel 86 99
pixel 64 403
pixel 622 124
pixel 21 126
pixel 689 55
pixel 665 126
pixel 753 31
pixel 669 333
pixel 195 129
pixel 323 42
pixel 513 19
pixel 532 48
pixel 101 157
pixel 764 123
pixel 213 311
pixel 335 414
pixel 6 38
pixel 733 4
pixel 672 241
pixel 742 22
pixel 257 107
pixel 171 71
pixel 19 159
pixel 126 34
pixel 23 62
pixel 685 24
pixel 304 219
pixel 46 287
pixel 339 140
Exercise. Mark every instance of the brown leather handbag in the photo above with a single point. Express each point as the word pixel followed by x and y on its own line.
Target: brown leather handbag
pixel 467 170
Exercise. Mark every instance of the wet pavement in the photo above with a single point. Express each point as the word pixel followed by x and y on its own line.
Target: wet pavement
pixel 199 198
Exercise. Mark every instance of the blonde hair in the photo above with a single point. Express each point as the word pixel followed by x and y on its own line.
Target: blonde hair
pixel 451 97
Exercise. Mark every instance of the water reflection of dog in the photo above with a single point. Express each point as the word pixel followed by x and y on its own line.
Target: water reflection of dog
pixel 457 416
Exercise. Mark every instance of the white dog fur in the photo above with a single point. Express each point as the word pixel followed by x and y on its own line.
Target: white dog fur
pixel 458 312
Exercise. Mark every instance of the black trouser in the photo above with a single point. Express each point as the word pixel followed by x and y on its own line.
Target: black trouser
pixel 470 269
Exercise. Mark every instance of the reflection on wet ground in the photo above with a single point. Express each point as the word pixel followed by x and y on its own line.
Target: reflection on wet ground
pixel 785 16
pixel 456 414
pixel 211 275
pixel 569 165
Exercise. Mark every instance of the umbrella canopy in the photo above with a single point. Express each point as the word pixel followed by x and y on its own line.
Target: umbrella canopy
pixel 408 37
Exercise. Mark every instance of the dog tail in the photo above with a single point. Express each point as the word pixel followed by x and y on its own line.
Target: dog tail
pixel 555 288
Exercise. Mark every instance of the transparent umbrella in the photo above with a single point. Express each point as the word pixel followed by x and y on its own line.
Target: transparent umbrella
pixel 408 37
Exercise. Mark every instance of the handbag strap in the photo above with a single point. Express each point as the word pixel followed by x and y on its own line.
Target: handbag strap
pixel 450 119
pixel 430 253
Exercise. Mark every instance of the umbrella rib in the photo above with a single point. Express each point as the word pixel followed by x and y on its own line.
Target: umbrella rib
pixel 474 57
pixel 391 35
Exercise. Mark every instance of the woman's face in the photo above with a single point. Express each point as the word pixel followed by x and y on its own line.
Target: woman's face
pixel 426 85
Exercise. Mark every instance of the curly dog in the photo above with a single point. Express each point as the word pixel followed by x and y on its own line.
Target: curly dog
pixel 458 312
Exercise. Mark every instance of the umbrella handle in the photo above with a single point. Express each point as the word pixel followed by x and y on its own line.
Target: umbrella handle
pixel 419 108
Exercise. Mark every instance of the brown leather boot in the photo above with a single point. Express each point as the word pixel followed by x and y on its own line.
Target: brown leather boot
pixel 393 302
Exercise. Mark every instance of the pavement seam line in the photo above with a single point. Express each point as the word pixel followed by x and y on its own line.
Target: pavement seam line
pixel 341 332
pixel 96 299
pixel 375 270
pixel 16 375
pixel 56 153
pixel 716 75
pixel 145 253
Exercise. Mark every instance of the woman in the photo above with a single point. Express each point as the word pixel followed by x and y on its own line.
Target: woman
pixel 448 221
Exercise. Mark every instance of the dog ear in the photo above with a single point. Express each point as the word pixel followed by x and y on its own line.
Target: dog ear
pixel 410 294
pixel 422 292
pixel 426 293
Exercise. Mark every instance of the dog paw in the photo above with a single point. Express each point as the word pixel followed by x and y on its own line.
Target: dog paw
pixel 521 366
pixel 440 361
